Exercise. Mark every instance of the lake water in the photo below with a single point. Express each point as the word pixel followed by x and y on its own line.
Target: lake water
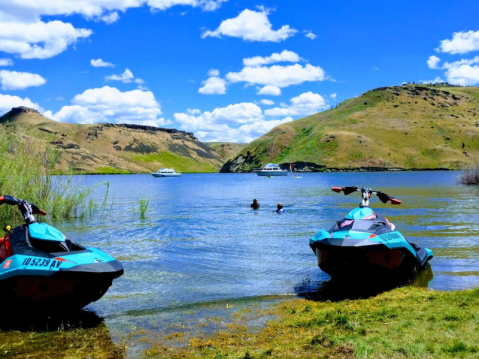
pixel 201 247
pixel 200 241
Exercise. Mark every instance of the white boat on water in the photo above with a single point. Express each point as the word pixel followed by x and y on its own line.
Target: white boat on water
pixel 166 172
pixel 271 170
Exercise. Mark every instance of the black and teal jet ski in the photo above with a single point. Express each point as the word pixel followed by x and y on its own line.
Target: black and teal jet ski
pixel 41 267
pixel 365 244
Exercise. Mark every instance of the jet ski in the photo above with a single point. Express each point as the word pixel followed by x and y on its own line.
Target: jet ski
pixel 365 244
pixel 41 268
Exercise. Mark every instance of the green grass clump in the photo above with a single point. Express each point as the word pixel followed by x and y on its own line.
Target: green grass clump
pixel 75 344
pixel 143 206
pixel 178 163
pixel 405 322
pixel 27 173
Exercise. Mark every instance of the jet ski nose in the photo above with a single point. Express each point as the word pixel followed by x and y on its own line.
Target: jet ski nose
pixel 113 268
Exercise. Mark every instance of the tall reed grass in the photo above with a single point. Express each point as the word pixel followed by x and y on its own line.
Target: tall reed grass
pixel 469 176
pixel 27 172
pixel 144 202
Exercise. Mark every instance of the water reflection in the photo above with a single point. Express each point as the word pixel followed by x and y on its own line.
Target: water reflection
pixel 338 290
pixel 38 321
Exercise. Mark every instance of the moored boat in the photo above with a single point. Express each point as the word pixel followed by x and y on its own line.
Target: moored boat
pixel 271 169
pixel 166 172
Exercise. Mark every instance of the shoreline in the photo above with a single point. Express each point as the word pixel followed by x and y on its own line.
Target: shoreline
pixel 327 170
pixel 394 323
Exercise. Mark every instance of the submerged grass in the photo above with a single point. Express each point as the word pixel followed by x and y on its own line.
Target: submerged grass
pixel 27 173
pixel 78 343
pixel 143 205
pixel 469 176
pixel 405 322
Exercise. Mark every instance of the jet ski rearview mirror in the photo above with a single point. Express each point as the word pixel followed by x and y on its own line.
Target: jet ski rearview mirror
pixel 383 197
pixel 337 189
pixel 394 200
pixel 37 210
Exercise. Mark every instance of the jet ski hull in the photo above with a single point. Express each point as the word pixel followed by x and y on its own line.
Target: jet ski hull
pixel 71 288
pixel 376 261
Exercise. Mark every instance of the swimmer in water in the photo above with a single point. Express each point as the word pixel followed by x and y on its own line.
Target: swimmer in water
pixel 280 208
pixel 255 204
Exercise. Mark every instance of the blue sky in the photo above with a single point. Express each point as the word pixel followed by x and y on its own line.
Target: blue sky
pixel 225 70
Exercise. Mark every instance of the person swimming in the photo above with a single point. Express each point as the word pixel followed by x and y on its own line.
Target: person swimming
pixel 280 208
pixel 255 204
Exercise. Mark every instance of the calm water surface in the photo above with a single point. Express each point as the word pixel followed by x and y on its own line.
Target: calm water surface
pixel 200 241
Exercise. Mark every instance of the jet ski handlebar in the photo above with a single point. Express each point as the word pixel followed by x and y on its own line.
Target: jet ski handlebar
pixel 26 208
pixel 383 197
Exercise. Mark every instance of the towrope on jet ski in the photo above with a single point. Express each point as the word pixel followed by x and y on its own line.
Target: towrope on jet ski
pixel 367 244
pixel 40 267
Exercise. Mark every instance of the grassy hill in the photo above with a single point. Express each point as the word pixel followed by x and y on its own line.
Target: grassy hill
pixel 400 127
pixel 109 148
pixel 226 149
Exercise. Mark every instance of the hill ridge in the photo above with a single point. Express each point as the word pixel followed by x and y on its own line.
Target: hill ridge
pixel 114 148
pixel 395 127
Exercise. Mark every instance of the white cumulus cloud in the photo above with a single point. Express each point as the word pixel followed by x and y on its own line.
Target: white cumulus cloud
pixel 6 62
pixel 251 26
pixel 464 72
pixel 310 35
pixel 305 104
pixel 266 102
pixel 25 34
pixel 38 40
pixel 108 104
pixel 437 80
pixel 95 9
pixel 433 61
pixel 100 63
pixel 127 77
pixel 110 18
pixel 279 76
pixel 285 55
pixel 7 102
pixel 269 90
pixel 241 122
pixel 205 5
pixel 461 43
pixel 333 96
pixel 13 80
pixel 214 85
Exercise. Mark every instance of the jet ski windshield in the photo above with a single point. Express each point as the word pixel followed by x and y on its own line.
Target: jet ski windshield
pixel 379 225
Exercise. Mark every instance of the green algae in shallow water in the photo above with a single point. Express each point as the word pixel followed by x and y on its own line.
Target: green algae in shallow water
pixel 81 335
pixel 405 322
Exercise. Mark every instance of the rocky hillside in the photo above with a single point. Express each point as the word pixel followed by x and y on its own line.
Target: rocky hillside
pixel 401 127
pixel 226 149
pixel 109 148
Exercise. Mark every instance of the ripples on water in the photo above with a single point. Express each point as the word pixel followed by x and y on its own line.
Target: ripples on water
pixel 200 240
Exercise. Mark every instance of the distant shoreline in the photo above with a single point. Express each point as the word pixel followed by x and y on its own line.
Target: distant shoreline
pixel 327 170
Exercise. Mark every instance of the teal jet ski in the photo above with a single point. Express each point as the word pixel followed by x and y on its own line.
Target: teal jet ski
pixel 41 267
pixel 365 244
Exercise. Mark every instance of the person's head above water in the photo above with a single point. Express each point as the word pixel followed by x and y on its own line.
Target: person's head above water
pixel 280 206
pixel 255 203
